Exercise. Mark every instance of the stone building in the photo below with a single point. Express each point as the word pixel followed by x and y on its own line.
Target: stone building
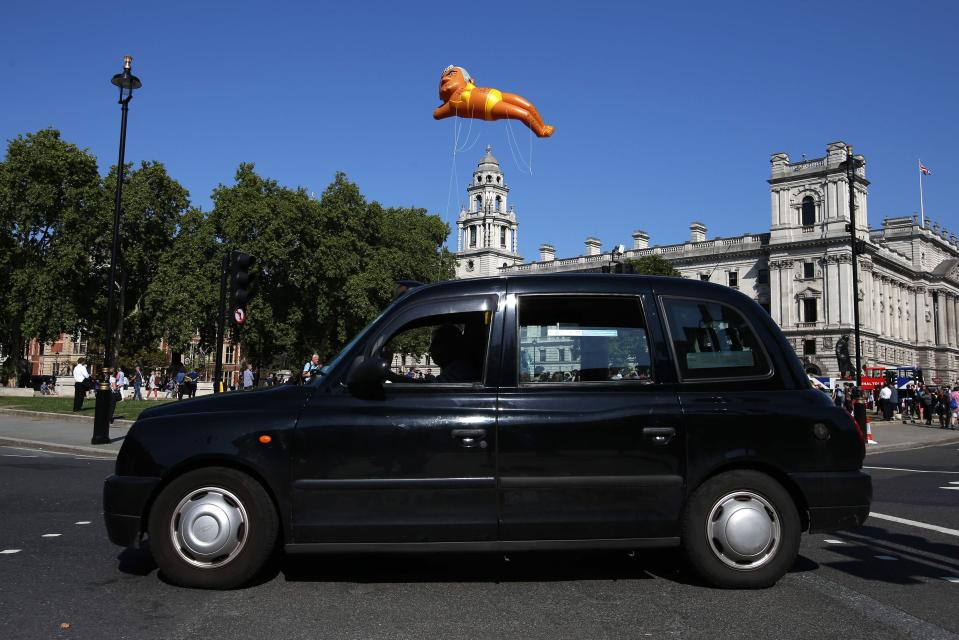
pixel 800 270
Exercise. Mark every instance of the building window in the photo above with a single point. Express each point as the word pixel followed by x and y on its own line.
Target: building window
pixel 762 276
pixel 489 178
pixel 809 310
pixel 542 355
pixel 472 236
pixel 734 279
pixel 502 236
pixel 497 179
pixel 479 180
pixel 479 202
pixel 704 277
pixel 499 203
pixel 808 211
pixel 228 358
pixel 808 270
pixel 809 347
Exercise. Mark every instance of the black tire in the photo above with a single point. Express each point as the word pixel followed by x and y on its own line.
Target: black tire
pixel 250 538
pixel 761 543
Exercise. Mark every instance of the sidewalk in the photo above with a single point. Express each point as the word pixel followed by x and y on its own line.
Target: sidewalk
pixel 71 434
pixel 63 433
pixel 896 436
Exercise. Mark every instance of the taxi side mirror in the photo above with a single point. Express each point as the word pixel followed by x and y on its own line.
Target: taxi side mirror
pixel 366 377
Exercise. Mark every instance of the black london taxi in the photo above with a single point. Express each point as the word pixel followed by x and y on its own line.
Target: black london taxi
pixel 582 411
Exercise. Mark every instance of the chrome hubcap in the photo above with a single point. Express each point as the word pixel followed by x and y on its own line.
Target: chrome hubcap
pixel 209 527
pixel 743 530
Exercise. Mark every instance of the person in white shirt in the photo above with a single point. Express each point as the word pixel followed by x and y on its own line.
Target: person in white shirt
pixel 80 377
pixel 885 402
pixel 122 382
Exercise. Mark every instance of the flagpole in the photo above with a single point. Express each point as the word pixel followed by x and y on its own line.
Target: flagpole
pixel 922 209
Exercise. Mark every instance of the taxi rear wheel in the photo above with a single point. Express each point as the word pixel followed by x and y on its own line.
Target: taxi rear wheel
pixel 212 528
pixel 741 530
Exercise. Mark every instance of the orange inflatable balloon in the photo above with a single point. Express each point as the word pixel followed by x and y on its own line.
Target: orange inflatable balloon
pixel 461 97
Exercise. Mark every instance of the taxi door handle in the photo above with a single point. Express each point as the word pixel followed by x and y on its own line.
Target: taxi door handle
pixel 659 435
pixel 470 438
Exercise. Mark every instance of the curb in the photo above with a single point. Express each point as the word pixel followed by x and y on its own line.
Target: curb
pixel 904 446
pixel 106 454
pixel 68 417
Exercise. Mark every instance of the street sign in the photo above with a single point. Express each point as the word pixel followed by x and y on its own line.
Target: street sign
pixel 239 316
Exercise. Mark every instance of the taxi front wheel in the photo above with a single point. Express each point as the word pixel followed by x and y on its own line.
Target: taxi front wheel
pixel 741 530
pixel 212 528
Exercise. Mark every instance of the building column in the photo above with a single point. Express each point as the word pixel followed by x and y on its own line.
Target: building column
pixel 832 298
pixel 897 295
pixel 775 295
pixel 945 301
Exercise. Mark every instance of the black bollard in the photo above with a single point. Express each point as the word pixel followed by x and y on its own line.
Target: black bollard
pixel 101 419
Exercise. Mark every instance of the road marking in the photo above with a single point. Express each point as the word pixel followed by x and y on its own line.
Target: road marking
pixel 9 551
pixel 950 579
pixel 886 558
pixel 911 470
pixel 51 535
pixel 834 541
pixel 82 522
pixel 14 455
pixel 953 488
pixel 913 523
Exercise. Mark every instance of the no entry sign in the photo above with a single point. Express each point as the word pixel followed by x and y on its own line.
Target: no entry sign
pixel 239 316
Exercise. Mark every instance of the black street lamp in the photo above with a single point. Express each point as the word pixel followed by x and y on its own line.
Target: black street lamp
pixel 126 82
pixel 851 164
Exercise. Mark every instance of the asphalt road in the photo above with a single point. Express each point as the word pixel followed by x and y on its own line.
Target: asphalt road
pixel 885 580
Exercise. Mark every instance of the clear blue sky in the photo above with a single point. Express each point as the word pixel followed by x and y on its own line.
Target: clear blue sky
pixel 665 112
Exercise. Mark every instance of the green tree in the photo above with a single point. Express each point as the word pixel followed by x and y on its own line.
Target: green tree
pixel 49 198
pixel 327 267
pixel 153 208
pixel 183 293
pixel 653 265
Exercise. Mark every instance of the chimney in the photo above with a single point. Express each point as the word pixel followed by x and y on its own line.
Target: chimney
pixel 697 232
pixel 640 239
pixel 547 253
pixel 836 153
pixel 593 246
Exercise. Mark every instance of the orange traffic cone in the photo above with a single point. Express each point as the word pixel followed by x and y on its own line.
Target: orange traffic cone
pixel 869 438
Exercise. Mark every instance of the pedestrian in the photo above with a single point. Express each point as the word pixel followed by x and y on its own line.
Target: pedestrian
pixel 152 385
pixel 180 379
pixel 193 378
pixel 137 383
pixel 953 420
pixel 115 394
pixel 122 382
pixel 837 395
pixel 80 383
pixel 942 408
pixel 248 378
pixel 311 368
pixel 885 403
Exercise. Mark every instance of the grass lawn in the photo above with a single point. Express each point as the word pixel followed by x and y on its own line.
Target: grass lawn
pixel 126 410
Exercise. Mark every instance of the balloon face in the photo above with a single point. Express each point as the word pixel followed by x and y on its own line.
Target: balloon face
pixel 464 99
pixel 450 82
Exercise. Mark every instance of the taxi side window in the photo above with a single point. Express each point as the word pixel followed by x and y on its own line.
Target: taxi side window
pixel 713 340
pixel 449 348
pixel 573 339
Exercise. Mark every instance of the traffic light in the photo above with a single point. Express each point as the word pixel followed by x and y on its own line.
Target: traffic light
pixel 241 279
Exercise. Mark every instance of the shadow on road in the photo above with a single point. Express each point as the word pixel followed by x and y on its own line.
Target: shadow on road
pixel 917 559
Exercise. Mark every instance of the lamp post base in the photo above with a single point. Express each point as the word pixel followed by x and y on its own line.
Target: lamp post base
pixel 101 418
